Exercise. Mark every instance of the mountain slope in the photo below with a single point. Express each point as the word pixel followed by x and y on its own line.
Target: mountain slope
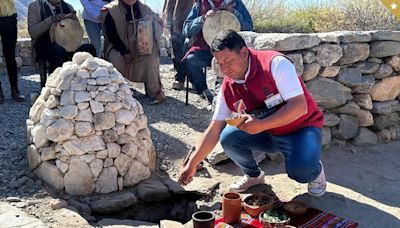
pixel 22 8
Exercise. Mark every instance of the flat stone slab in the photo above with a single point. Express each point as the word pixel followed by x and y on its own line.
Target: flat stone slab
pixel 11 217
pixel 68 218
pixel 113 202
pixel 153 190
pixel 126 223
pixel 202 185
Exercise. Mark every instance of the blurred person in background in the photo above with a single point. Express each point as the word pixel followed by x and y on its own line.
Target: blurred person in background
pixel 174 15
pixel 8 34
pixel 42 14
pixel 199 55
pixel 91 18
pixel 132 33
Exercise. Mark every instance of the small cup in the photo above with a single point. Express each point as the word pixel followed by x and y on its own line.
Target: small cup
pixel 203 219
pixel 231 207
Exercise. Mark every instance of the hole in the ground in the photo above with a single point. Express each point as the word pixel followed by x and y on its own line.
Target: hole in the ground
pixel 150 201
pixel 179 207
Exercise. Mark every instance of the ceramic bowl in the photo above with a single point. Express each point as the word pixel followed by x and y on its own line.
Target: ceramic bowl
pixel 257 203
pixel 274 218
pixel 295 207
pixel 235 121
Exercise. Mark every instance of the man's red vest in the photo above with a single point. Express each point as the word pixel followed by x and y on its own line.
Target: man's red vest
pixel 259 84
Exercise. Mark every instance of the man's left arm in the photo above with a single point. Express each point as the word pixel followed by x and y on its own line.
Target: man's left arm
pixel 293 109
pixel 290 89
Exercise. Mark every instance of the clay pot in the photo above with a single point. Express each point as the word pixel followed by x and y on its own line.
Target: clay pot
pixel 268 223
pixel 254 209
pixel 203 219
pixel 231 207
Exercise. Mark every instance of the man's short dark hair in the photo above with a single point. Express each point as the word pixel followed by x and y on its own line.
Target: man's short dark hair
pixel 227 39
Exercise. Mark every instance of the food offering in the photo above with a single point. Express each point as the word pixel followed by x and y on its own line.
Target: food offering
pixel 274 218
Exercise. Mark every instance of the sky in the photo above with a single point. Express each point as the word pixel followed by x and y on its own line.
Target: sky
pixel 156 5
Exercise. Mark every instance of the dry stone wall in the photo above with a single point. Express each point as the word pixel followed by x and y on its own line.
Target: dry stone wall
pixel 86 133
pixel 24 59
pixel 353 76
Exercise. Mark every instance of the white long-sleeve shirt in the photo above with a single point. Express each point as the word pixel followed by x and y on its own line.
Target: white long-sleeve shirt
pixel 92 9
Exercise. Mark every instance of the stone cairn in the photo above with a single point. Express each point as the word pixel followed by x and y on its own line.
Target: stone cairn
pixel 86 133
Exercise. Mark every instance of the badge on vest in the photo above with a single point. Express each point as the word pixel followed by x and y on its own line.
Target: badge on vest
pixel 273 100
pixel 240 107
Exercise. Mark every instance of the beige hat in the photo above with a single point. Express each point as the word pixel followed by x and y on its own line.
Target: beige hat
pixel 67 33
pixel 220 21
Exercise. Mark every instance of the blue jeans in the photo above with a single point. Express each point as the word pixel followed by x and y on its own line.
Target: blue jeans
pixel 301 150
pixel 194 64
pixel 93 30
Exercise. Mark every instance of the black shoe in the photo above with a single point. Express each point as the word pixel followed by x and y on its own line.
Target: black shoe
pixel 177 85
pixel 16 96
pixel 208 95
pixel 1 95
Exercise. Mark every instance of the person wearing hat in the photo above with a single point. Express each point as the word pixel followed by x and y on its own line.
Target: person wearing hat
pixel 91 18
pixel 256 82
pixel 132 32
pixel 199 56
pixel 8 34
pixel 42 14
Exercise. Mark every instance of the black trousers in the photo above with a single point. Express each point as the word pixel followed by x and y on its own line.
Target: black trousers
pixel 8 33
pixel 57 55
pixel 178 47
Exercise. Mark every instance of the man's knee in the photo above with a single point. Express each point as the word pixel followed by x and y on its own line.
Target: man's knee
pixel 302 173
pixel 190 61
pixel 229 138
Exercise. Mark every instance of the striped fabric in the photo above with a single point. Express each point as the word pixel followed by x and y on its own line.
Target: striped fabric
pixel 313 218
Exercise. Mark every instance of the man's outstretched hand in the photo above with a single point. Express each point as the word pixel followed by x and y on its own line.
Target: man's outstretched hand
pixel 186 174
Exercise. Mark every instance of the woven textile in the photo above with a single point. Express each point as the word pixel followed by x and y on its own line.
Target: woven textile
pixel 313 218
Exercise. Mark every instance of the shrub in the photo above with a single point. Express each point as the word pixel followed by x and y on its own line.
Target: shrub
pixel 320 16
pixel 284 25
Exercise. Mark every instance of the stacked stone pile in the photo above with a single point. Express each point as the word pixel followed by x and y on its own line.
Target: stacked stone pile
pixel 353 76
pixel 86 133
